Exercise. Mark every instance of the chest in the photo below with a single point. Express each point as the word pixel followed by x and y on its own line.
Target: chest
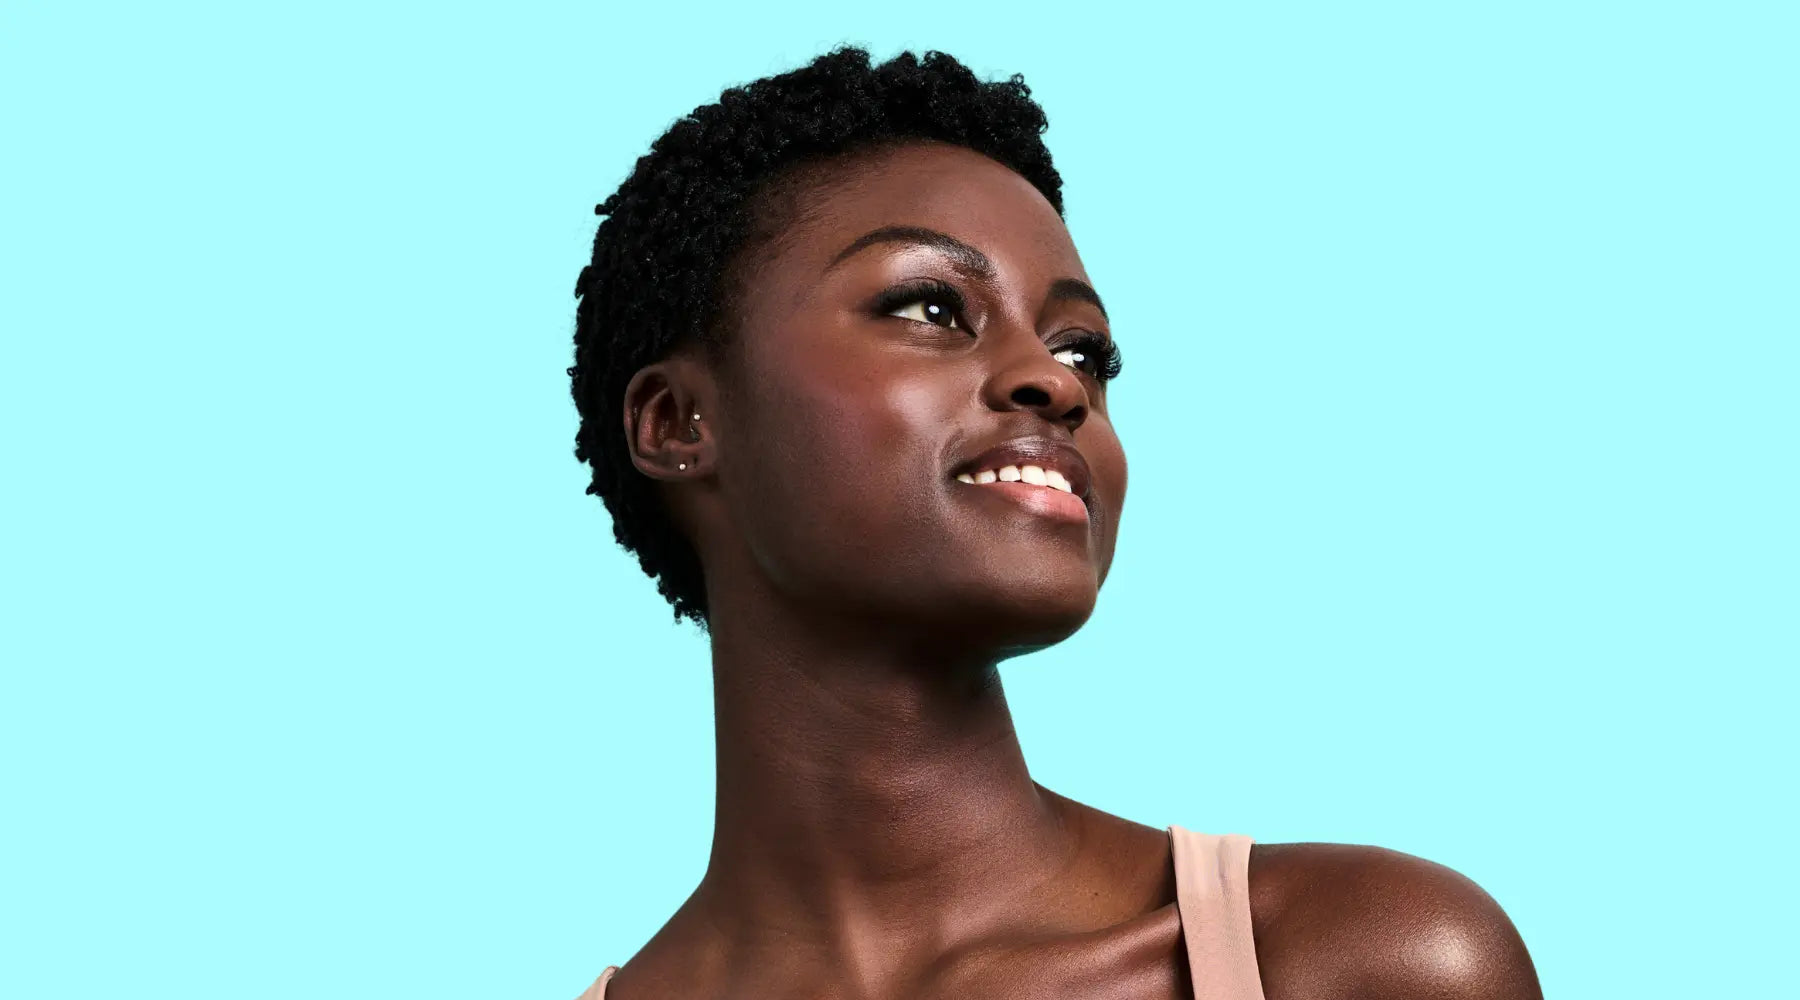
pixel 1145 961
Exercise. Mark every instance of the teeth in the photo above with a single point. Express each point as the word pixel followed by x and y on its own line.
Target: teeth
pixel 1035 475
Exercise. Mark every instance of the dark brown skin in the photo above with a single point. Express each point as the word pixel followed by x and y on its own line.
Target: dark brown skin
pixel 878 834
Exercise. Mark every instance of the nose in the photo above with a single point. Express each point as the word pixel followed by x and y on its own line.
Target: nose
pixel 1028 377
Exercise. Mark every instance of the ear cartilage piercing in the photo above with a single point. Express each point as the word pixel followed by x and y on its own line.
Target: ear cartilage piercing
pixel 696 416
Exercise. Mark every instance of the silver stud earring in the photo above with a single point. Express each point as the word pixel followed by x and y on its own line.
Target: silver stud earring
pixel 682 466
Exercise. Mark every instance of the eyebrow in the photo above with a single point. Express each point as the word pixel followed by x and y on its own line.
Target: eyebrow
pixel 964 256
pixel 1067 289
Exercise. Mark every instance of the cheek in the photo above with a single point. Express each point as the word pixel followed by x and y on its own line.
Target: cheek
pixel 839 473
pixel 1110 466
pixel 1105 454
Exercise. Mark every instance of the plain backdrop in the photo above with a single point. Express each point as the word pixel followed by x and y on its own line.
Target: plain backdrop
pixel 1459 396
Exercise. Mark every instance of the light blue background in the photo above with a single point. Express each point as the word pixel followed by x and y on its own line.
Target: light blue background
pixel 1459 393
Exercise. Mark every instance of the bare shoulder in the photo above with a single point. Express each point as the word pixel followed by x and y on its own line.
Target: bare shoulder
pixel 1346 921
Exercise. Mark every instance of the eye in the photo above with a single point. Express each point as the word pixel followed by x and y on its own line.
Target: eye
pixel 938 313
pixel 929 301
pixel 1093 354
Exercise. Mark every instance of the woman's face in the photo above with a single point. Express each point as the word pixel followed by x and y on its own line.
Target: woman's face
pixel 924 314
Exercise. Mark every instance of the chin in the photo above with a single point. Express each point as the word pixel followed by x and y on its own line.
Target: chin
pixel 1004 611
pixel 1019 619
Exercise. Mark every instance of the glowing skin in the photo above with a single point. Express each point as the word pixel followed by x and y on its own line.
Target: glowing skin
pixel 877 832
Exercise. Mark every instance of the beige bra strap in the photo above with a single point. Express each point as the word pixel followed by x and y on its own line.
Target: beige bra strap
pixel 598 990
pixel 1212 891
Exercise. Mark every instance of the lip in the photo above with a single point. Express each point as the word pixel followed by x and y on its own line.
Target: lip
pixel 1043 452
pixel 1040 500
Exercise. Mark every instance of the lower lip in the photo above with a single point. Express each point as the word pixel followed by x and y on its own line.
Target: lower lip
pixel 1044 500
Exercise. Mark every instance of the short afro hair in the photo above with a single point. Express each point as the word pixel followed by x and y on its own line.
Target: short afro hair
pixel 674 230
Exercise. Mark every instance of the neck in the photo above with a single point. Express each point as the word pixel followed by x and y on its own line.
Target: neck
pixel 873 800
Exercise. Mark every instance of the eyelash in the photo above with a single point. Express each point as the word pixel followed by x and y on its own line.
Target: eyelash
pixel 1107 357
pixel 924 290
pixel 1106 354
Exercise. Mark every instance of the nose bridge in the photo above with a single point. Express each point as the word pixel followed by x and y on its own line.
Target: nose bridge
pixel 1025 375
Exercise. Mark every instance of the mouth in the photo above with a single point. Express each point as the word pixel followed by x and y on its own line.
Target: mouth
pixel 1042 475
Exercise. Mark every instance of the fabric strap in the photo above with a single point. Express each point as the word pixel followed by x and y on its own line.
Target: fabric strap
pixel 1212 891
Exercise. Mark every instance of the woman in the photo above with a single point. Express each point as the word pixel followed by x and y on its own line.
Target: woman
pixel 842 382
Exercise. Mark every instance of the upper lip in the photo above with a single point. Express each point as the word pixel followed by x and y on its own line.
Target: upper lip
pixel 1045 453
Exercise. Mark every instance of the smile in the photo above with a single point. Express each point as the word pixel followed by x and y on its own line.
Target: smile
pixel 1038 490
pixel 1033 474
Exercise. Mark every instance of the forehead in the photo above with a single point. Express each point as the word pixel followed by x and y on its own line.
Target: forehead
pixel 948 188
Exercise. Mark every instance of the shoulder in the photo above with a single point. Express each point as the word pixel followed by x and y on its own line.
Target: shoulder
pixel 1348 921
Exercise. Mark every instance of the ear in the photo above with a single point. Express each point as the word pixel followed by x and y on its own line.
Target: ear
pixel 666 442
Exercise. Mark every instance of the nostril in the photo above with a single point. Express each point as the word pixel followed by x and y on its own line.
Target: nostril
pixel 1037 398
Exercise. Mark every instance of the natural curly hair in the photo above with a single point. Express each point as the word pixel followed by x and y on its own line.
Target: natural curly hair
pixel 674 233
